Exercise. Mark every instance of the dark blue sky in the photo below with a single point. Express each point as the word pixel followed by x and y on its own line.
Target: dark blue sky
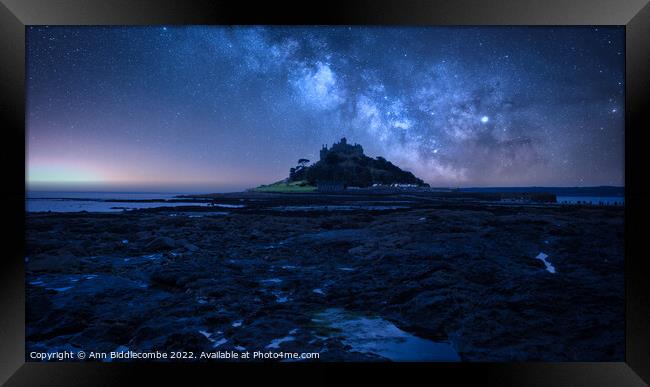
pixel 224 108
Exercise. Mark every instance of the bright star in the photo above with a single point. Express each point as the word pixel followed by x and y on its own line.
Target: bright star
pixel 485 119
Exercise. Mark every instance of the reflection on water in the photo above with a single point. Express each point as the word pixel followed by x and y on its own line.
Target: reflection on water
pixel 64 205
pixel 373 335
pixel 57 201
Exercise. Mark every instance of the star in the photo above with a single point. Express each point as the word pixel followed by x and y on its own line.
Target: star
pixel 485 119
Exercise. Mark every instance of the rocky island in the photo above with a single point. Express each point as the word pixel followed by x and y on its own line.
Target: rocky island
pixel 341 166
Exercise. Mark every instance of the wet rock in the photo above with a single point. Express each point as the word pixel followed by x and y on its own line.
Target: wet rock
pixel 165 279
pixel 187 341
pixel 161 243
pixel 479 286
pixel 191 247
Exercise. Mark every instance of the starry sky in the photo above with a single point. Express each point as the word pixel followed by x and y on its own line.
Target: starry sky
pixel 222 108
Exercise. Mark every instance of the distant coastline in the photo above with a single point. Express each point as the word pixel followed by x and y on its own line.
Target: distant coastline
pixel 559 191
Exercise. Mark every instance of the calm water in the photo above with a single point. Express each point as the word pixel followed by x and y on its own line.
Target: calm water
pixel 373 335
pixel 42 201
pixel 102 195
pixel 594 200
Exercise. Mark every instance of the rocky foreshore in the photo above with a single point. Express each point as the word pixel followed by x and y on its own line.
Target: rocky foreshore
pixel 366 278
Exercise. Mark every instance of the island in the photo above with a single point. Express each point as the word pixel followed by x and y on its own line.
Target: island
pixel 340 167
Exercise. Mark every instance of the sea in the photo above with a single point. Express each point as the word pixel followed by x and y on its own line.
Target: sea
pixel 57 201
pixel 593 200
pixel 601 195
pixel 69 201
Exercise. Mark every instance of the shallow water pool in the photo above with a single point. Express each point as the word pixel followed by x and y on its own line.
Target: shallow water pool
pixel 374 335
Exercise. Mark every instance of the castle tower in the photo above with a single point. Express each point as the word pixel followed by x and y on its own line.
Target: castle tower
pixel 323 152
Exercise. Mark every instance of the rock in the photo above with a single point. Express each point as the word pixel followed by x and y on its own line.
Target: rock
pixel 164 279
pixel 185 341
pixel 191 247
pixel 483 294
pixel 161 243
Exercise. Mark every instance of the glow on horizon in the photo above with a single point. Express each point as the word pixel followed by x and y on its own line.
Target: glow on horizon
pixel 63 173
pixel 72 174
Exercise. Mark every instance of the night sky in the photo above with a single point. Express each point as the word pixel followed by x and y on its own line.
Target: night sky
pixel 225 108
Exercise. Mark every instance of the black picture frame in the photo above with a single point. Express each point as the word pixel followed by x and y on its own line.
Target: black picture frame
pixel 15 15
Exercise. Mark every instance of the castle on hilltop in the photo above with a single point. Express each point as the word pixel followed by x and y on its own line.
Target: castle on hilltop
pixel 344 165
pixel 342 147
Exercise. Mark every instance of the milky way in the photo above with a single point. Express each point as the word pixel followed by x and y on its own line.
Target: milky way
pixel 226 108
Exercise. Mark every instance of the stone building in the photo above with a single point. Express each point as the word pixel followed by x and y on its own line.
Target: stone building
pixel 342 148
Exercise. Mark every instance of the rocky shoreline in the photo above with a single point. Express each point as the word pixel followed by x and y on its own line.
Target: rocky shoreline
pixel 303 273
